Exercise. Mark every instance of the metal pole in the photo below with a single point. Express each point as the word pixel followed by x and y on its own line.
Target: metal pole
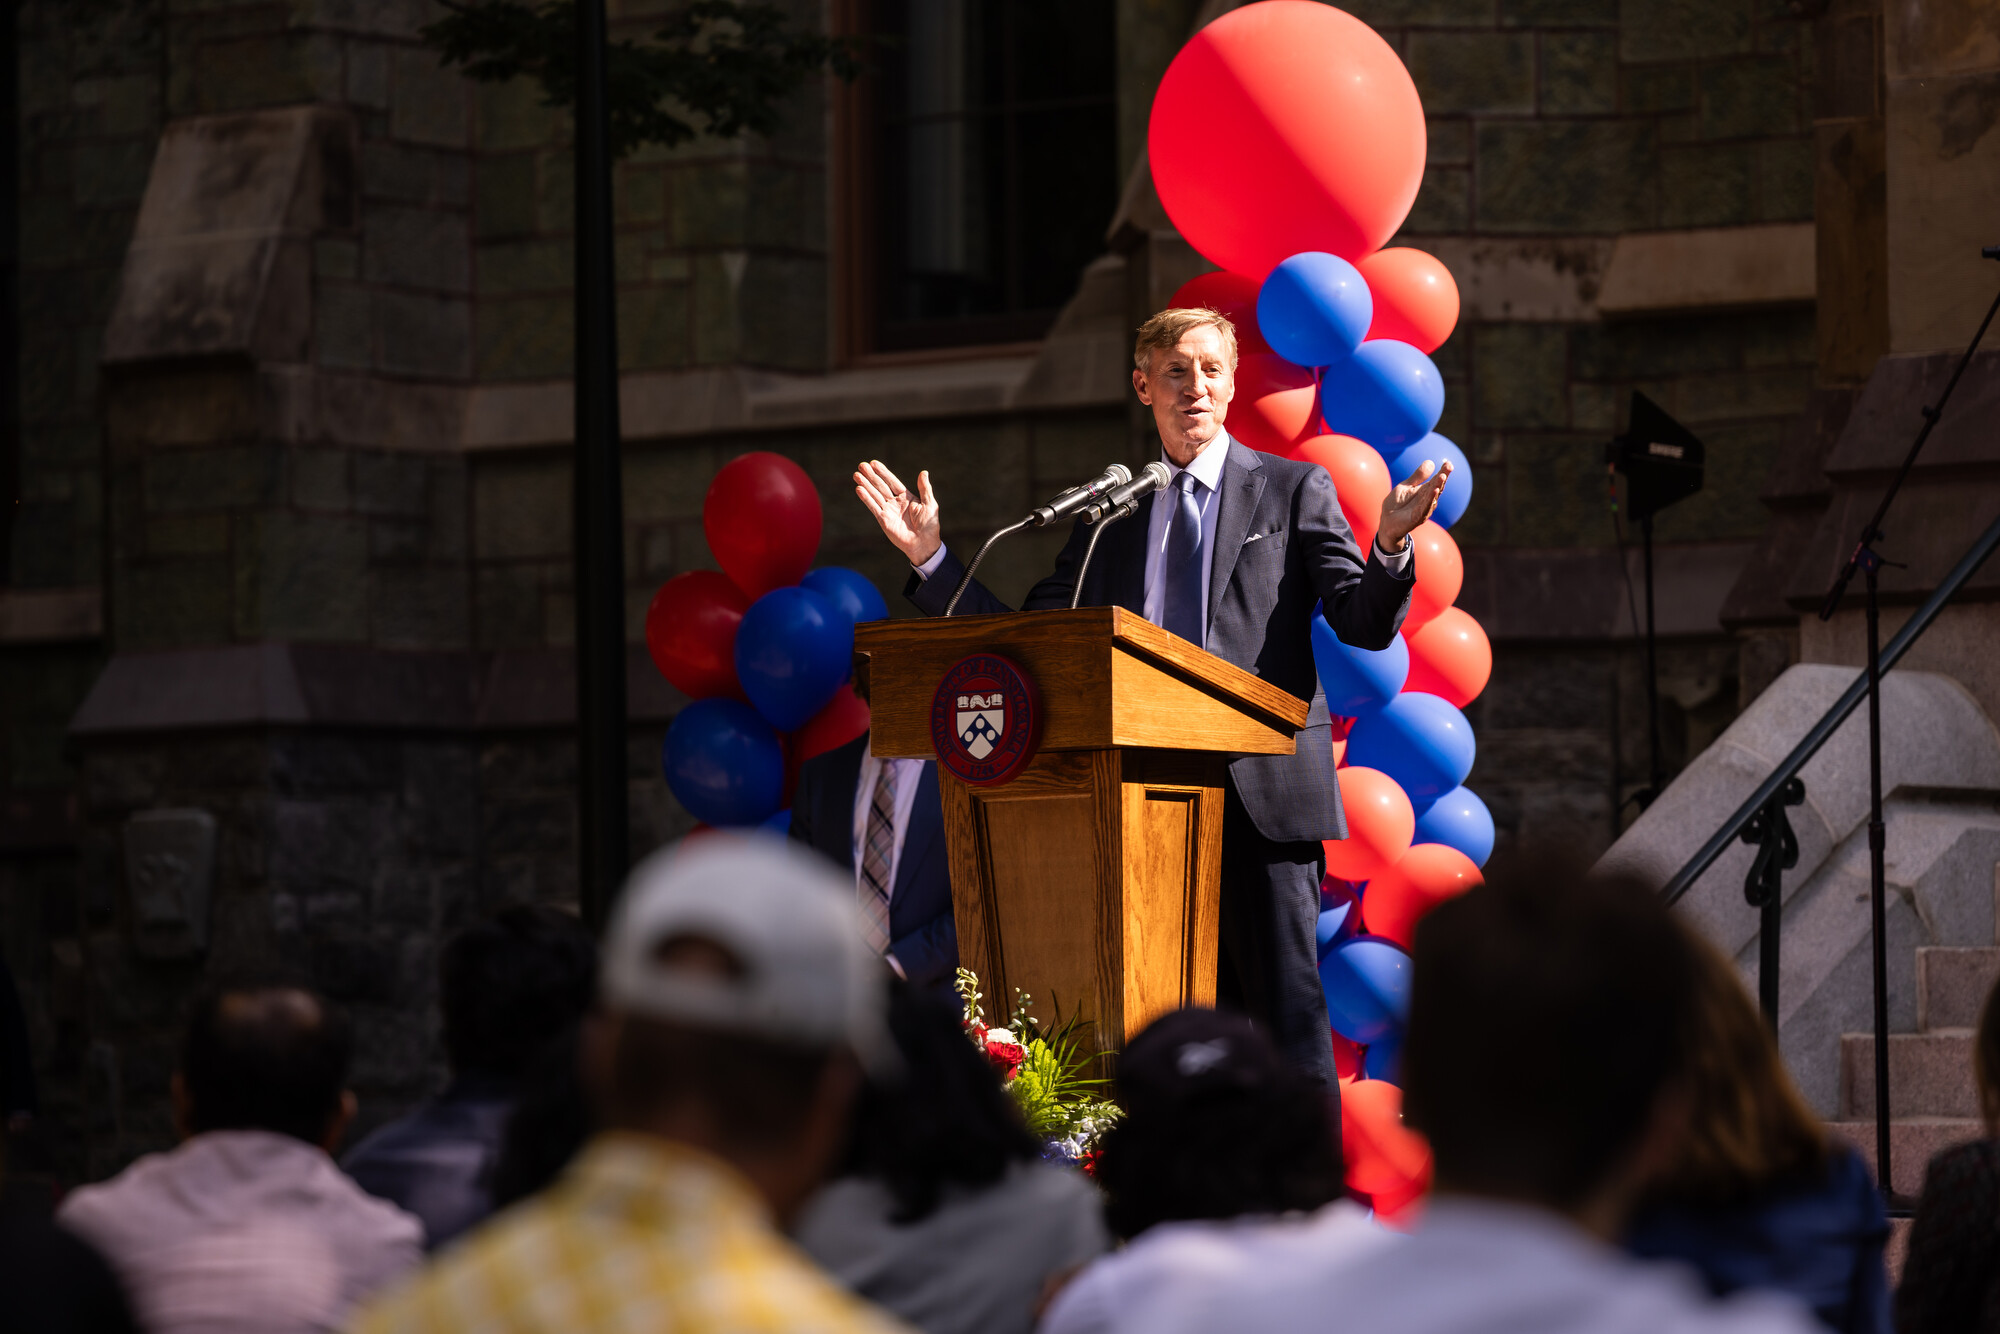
pixel 599 513
pixel 1871 565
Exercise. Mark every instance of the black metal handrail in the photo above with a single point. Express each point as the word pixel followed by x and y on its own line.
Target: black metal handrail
pixel 1831 720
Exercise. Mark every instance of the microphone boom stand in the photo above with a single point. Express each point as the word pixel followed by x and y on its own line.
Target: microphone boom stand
pixel 1870 562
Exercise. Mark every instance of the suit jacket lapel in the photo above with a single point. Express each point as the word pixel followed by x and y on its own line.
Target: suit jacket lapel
pixel 917 838
pixel 838 797
pixel 1242 487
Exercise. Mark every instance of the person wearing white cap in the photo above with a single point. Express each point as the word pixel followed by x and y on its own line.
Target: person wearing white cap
pixel 740 1007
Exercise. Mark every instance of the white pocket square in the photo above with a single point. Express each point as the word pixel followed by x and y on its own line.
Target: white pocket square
pixel 1254 537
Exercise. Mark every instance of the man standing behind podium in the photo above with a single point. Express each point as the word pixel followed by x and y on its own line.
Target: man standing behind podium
pixel 1231 556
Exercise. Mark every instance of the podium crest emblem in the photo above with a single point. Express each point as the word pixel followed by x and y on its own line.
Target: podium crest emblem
pixel 985 720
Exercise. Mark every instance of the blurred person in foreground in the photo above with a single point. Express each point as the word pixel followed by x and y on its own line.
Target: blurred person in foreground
pixel 1226 1164
pixel 249 1226
pixel 739 1004
pixel 945 1215
pixel 1759 1196
pixel 51 1280
pixel 1951 1278
pixel 1546 1062
pixel 507 987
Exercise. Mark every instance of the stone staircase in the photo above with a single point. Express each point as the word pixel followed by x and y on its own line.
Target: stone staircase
pixel 1933 1101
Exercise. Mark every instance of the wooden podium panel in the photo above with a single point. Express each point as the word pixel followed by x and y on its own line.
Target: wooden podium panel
pixel 1092 879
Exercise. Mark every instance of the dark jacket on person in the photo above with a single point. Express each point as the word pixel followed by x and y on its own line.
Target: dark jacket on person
pixel 923 935
pixel 54 1282
pixel 1820 1242
pixel 1281 545
pixel 438 1161
pixel 1951 1278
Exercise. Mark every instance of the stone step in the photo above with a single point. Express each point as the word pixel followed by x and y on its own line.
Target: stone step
pixel 1930 1074
pixel 1952 984
pixel 1913 1142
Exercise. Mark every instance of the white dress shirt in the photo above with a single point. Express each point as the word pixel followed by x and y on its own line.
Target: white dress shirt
pixel 906 773
pixel 1207 469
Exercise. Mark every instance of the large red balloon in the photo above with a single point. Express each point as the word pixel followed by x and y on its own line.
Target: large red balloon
pixel 1384 1156
pixel 762 518
pixel 1276 404
pixel 691 633
pixel 1360 479
pixel 1380 824
pixel 1228 294
pixel 1440 573
pixel 1346 1060
pixel 844 718
pixel 1340 728
pixel 1416 300
pixel 1450 657
pixel 1421 879
pixel 1286 126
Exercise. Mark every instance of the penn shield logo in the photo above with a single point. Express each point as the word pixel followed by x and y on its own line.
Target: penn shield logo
pixel 985 720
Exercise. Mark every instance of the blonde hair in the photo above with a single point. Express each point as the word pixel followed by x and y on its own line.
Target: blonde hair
pixel 1749 1128
pixel 1164 330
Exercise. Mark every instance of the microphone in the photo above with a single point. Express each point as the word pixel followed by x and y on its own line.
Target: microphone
pixel 1074 499
pixel 1124 499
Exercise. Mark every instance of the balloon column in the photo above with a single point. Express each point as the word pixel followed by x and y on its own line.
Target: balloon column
pixel 1326 152
pixel 763 648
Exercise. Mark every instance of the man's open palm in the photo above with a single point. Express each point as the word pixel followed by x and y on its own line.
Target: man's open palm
pixel 908 519
pixel 1409 503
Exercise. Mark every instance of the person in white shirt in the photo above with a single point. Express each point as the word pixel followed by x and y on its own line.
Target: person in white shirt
pixel 1550 1023
pixel 249 1227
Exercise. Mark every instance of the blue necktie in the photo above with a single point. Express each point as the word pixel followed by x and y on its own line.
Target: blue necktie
pixel 1183 610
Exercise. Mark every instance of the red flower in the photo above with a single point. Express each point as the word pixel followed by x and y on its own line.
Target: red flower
pixel 1089 1162
pixel 1006 1057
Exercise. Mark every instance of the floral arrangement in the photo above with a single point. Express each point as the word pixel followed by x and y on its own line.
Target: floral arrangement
pixel 1046 1072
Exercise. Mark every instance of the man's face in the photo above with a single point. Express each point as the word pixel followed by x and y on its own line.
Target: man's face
pixel 1188 386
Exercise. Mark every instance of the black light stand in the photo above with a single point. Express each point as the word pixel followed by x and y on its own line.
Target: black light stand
pixel 1869 562
pixel 1662 462
pixel 599 540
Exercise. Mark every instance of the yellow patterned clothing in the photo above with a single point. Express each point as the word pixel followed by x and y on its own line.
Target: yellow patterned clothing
pixel 640 1234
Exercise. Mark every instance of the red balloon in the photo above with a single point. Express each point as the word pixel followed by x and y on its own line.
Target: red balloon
pixel 1360 479
pixel 844 718
pixel 691 633
pixel 1380 825
pixel 1450 656
pixel 1346 1060
pixel 1286 126
pixel 1416 300
pixel 1384 1156
pixel 1228 294
pixel 1276 404
pixel 1421 879
pixel 1341 727
pixel 762 518
pixel 1401 1210
pixel 1440 573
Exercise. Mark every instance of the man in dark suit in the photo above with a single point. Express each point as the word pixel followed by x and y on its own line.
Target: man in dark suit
pixel 882 820
pixel 1233 556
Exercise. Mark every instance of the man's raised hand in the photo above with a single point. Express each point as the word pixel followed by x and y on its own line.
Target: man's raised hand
pixel 1409 503
pixel 909 520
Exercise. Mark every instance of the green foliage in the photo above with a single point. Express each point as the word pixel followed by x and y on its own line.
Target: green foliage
pixel 1054 1089
pixel 713 67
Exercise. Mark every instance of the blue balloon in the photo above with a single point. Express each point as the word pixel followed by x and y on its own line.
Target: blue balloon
pixel 1357 679
pixel 781 823
pixel 1367 986
pixel 1387 393
pixel 1459 819
pixel 793 650
pixel 1417 739
pixel 849 590
pixel 724 763
pixel 1339 915
pixel 1457 492
pixel 1384 1060
pixel 1314 309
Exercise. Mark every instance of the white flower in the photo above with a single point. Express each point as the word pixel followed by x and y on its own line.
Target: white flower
pixel 1000 1035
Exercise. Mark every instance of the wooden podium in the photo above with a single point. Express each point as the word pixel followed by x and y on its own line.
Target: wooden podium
pixel 1092 877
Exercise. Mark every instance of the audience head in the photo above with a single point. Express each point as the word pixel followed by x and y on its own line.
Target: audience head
pixel 1748 1128
pixel 1986 1060
pixel 1216 1125
pixel 947 1122
pixel 510 984
pixel 740 1003
pixel 550 1121
pixel 1547 1039
pixel 265 1058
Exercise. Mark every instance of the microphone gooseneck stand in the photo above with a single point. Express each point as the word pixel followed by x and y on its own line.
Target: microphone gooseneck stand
pixel 1870 562
pixel 1096 531
pixel 965 580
